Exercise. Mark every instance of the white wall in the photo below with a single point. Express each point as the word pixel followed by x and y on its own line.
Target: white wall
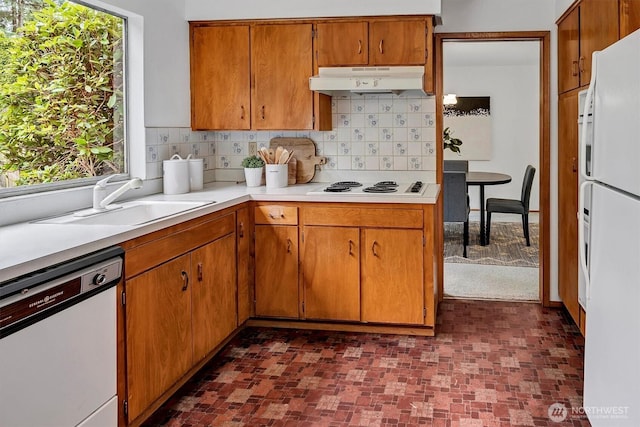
pixel 514 92
pixel 207 9
pixel 166 60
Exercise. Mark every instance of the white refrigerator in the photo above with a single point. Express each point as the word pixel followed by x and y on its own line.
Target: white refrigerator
pixel 609 234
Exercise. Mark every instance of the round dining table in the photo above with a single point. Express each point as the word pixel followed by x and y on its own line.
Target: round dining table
pixel 481 179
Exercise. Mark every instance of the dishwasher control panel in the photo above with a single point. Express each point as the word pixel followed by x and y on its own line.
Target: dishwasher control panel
pixel 28 304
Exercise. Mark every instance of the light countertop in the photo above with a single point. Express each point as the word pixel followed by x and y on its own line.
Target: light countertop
pixel 30 246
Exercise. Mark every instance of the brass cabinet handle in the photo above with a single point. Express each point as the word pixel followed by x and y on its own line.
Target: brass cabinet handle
pixel 199 272
pixel 272 216
pixel 373 248
pixel 242 112
pixel 289 246
pixel 574 68
pixel 581 67
pixel 351 244
pixel 380 46
pixel 574 164
pixel 262 112
pixel 185 280
pixel 241 230
pixel 359 47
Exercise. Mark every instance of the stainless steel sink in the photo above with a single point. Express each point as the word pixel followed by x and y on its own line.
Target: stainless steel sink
pixel 128 213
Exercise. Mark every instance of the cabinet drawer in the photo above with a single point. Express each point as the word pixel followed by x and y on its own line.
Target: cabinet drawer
pixel 363 217
pixel 148 255
pixel 276 214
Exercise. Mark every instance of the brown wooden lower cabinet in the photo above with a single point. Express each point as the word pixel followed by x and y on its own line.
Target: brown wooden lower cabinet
pixel 180 303
pixel 158 328
pixel 331 273
pixel 392 276
pixel 363 264
pixel 244 231
pixel 276 258
pixel 213 288
pixel 568 202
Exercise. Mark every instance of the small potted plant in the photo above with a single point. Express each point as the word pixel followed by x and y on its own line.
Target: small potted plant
pixel 450 142
pixel 253 166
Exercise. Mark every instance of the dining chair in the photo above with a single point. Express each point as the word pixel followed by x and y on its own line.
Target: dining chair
pixel 513 206
pixel 456 202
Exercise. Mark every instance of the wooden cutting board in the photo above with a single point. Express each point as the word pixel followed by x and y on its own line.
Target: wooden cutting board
pixel 304 151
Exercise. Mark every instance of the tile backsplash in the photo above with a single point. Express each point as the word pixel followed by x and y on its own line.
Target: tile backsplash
pixel 370 133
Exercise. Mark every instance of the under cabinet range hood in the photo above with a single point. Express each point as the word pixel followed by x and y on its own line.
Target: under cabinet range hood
pixel 368 80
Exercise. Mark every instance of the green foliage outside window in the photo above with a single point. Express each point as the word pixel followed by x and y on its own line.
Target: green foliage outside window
pixel 61 95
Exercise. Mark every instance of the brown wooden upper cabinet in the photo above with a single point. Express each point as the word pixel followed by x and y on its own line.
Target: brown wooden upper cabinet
pixel 281 64
pixel 343 43
pixel 374 42
pixel 251 76
pixel 629 16
pixel 590 26
pixel 220 78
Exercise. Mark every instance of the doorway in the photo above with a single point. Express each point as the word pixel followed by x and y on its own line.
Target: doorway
pixel 476 49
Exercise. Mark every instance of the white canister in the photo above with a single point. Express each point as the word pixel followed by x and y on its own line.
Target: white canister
pixel 196 173
pixel 253 176
pixel 175 175
pixel 277 175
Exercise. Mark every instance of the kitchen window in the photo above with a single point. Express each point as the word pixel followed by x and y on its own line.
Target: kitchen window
pixel 63 115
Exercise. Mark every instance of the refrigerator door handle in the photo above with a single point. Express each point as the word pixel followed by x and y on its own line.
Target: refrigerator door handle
pixel 585 115
pixel 581 236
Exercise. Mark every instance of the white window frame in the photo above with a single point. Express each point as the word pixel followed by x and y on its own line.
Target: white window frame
pixel 26 205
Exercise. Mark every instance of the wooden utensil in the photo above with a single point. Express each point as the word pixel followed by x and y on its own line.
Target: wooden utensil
pixel 272 155
pixel 264 153
pixel 278 154
pixel 284 157
pixel 262 156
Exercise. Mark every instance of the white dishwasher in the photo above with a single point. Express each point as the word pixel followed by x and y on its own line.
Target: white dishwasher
pixel 58 344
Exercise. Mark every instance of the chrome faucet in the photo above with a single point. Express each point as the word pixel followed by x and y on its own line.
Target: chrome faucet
pixel 101 200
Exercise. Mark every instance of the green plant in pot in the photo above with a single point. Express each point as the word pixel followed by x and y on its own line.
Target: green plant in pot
pixel 253 166
pixel 450 142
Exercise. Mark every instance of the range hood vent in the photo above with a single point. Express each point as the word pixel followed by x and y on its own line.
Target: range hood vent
pixel 367 80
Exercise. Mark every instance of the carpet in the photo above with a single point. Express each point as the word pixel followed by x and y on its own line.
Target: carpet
pixel 507 247
pixel 491 282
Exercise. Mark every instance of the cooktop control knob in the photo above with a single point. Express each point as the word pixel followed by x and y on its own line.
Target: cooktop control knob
pixel 99 279
pixel 415 188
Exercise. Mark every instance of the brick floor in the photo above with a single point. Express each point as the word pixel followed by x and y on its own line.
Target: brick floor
pixel 490 364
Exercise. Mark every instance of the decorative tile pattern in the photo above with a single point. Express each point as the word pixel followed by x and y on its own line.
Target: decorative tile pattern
pixel 361 125
pixel 484 368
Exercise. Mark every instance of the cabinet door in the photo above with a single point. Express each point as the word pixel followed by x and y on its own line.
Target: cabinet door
pixel 598 29
pixel 392 289
pixel 158 328
pixel 213 287
pixel 282 62
pixel 568 201
pixel 629 16
pixel 276 285
pixel 397 42
pixel 331 273
pixel 568 52
pixel 220 77
pixel 343 43
pixel 245 265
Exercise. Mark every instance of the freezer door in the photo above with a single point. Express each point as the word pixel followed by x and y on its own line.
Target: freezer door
pixel 616 146
pixel 612 348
